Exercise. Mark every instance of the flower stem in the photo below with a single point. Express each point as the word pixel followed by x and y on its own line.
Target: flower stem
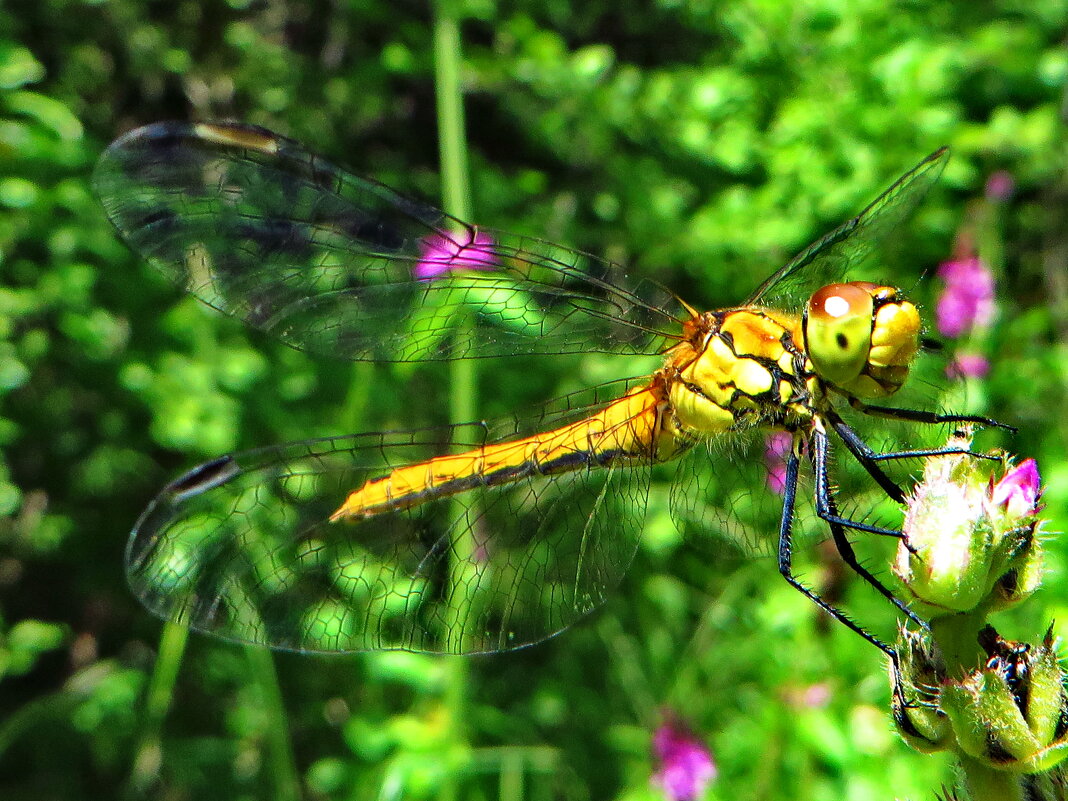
pixel 983 783
pixel 957 640
pixel 462 373
pixel 452 137
pixel 280 759
pixel 148 756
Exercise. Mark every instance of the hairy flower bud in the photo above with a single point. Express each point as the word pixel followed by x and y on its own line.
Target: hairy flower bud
pixel 970 541
pixel 915 679
pixel 1012 713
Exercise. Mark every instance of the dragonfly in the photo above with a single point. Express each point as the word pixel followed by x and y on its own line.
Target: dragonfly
pixel 494 535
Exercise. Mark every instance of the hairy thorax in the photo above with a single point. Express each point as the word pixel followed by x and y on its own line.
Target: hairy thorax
pixel 739 368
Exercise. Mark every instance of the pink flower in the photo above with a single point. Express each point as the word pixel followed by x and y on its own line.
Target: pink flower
pixel 968 365
pixel 816 696
pixel 442 255
pixel 1018 490
pixel 968 299
pixel 776 449
pixel 1000 185
pixel 686 765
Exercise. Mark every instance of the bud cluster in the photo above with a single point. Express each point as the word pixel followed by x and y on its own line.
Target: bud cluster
pixel 972 546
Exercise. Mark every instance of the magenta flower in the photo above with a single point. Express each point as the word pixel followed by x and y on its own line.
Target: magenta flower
pixel 1018 490
pixel 968 365
pixel 686 765
pixel 1000 185
pixel 968 299
pixel 776 449
pixel 454 253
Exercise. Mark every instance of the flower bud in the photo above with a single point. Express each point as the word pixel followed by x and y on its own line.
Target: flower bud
pixel 915 680
pixel 970 541
pixel 1012 713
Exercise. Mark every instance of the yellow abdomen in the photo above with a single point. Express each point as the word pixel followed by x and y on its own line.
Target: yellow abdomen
pixel 627 429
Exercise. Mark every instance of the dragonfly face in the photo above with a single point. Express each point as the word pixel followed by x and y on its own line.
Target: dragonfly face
pixel 862 338
pixel 498 534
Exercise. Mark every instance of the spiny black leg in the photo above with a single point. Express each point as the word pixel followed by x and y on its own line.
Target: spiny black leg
pixel 865 455
pixel 786 562
pixel 900 703
pixel 827 510
pixel 931 418
pixel 868 458
pixel 825 506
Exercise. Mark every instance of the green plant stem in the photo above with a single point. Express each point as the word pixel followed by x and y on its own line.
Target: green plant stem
pixel 148 756
pixel 452 137
pixel 510 785
pixel 280 759
pixel 957 637
pixel 462 374
pixel 983 783
pixel 359 392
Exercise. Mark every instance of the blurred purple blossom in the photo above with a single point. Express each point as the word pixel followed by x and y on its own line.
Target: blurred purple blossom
pixel 776 449
pixel 1019 489
pixel 808 696
pixel 968 365
pixel 968 299
pixel 442 255
pixel 817 695
pixel 1000 185
pixel 686 765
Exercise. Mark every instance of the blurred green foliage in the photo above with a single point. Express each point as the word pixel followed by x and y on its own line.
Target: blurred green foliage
pixel 701 144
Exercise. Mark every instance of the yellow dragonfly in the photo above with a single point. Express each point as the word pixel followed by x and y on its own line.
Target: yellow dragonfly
pixel 493 535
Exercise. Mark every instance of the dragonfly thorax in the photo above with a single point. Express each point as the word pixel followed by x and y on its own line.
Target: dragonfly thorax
pixel 861 337
pixel 740 368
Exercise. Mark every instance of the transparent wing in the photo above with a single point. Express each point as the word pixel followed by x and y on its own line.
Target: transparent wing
pixel 834 257
pixel 242 548
pixel 729 493
pixel 254 225
pixel 724 494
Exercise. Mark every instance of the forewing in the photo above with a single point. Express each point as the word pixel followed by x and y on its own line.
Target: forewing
pixel 242 548
pixel 836 256
pixel 254 225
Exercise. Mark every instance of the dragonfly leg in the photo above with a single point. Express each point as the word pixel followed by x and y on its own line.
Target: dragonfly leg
pixel 930 418
pixel 825 507
pixel 786 563
pixel 900 703
pixel 870 458
pixel 827 510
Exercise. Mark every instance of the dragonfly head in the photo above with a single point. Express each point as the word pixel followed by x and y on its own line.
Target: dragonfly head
pixel 861 337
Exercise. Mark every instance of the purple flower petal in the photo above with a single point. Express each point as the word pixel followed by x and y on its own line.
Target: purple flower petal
pixel 686 765
pixel 968 300
pixel 442 255
pixel 1018 489
pixel 1000 185
pixel 968 365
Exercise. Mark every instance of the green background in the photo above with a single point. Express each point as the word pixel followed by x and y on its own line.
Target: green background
pixel 700 143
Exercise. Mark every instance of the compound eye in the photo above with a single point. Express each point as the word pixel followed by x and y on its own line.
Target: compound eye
pixel 838 330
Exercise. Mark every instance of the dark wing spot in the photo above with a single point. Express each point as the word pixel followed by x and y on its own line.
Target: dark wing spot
pixel 204 477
